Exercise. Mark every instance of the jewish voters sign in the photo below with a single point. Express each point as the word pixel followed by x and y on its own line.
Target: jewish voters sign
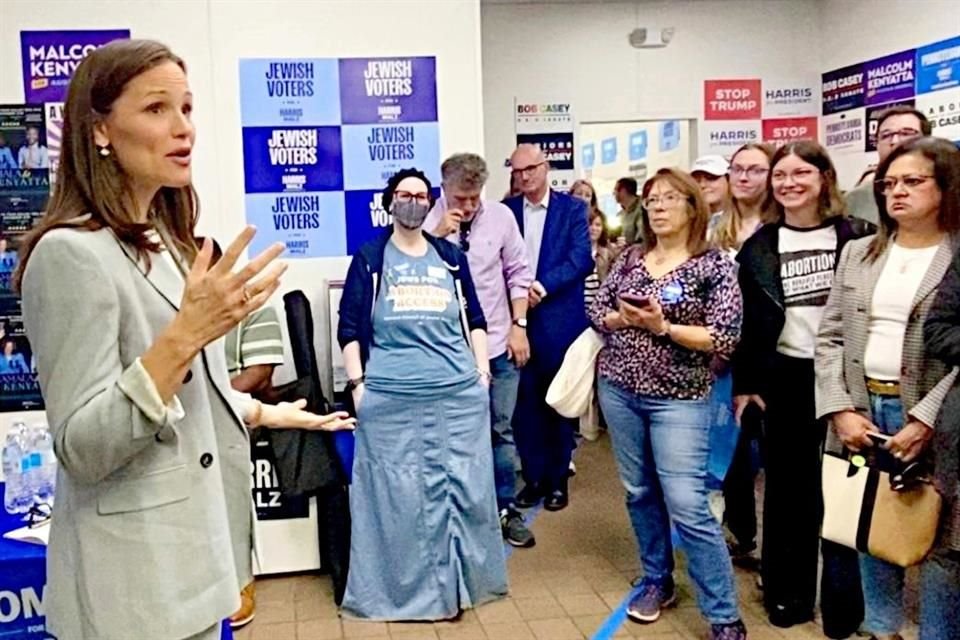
pixel 321 136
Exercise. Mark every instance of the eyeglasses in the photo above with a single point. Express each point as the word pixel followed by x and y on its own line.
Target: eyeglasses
pixel 800 175
pixel 406 196
pixel 753 171
pixel 526 172
pixel 889 184
pixel 901 134
pixel 667 199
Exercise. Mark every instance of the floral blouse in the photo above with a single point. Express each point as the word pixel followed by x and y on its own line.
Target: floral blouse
pixel 702 291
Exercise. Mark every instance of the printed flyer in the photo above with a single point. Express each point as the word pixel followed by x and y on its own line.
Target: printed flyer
pixel 321 137
pixel 24 190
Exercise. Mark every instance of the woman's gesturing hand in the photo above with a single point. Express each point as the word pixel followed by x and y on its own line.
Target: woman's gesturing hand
pixel 216 297
pixel 293 415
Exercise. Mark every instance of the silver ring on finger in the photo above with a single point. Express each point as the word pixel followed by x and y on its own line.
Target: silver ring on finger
pixel 246 295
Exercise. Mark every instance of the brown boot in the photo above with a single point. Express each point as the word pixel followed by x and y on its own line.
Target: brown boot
pixel 247 609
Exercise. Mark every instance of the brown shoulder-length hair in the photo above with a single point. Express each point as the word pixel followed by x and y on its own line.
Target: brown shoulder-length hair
pixel 831 203
pixel 946 172
pixel 697 210
pixel 89 183
pixel 726 231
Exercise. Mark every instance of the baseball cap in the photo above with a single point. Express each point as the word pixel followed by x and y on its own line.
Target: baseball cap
pixel 711 165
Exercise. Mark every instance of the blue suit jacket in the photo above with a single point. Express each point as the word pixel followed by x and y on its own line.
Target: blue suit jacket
pixel 565 262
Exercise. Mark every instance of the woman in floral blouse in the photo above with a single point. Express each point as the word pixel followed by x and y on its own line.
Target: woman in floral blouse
pixel 666 309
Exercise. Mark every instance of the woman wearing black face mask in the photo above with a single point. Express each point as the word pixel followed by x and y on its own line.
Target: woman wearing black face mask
pixel 426 536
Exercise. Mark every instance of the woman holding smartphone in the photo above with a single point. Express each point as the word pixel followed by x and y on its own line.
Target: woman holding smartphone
pixel 666 309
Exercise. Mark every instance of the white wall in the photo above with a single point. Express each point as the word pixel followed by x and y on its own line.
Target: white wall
pixel 211 35
pixel 579 53
pixel 858 30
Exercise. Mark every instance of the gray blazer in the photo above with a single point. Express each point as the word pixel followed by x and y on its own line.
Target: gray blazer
pixel 842 339
pixel 151 532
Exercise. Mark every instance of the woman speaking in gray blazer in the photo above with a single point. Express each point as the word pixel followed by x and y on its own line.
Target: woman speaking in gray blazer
pixel 873 374
pixel 151 534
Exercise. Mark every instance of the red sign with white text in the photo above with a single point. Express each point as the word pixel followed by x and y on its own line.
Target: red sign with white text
pixel 732 99
pixel 783 130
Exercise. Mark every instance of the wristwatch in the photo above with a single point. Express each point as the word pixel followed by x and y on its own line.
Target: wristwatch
pixel 353 383
pixel 521 322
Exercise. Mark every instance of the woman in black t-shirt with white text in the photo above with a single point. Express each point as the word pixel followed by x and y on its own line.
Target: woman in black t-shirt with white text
pixel 786 271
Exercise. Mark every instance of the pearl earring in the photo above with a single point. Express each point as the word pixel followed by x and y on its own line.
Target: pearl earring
pixel 104 151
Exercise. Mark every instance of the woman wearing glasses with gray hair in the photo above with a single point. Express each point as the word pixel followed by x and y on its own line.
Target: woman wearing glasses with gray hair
pixel 426 540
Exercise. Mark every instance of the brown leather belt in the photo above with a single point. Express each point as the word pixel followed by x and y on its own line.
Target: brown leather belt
pixel 883 387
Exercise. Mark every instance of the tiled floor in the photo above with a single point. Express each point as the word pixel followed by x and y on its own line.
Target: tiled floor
pixel 564 588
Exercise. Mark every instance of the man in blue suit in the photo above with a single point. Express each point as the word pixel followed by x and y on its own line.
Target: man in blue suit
pixel 554 227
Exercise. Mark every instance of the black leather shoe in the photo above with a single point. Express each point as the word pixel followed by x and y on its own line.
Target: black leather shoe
pixel 786 617
pixel 529 497
pixel 556 501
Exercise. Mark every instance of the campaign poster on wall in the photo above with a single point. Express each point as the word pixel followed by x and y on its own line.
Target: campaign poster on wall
pixel 890 78
pixel 725 137
pixel 938 66
pixel 550 125
pixel 842 89
pixel 24 190
pixel 321 137
pixel 789 99
pixel 780 131
pixel 732 99
pixel 50 58
pixel 942 109
pixel 844 132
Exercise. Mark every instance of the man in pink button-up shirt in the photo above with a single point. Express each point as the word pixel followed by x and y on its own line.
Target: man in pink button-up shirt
pixel 488 233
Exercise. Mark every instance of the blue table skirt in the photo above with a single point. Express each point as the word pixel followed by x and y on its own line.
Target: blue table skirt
pixel 23 574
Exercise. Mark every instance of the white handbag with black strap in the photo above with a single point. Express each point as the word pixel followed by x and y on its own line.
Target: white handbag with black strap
pixel 862 511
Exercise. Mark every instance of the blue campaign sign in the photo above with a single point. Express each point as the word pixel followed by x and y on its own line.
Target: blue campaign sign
pixel 589 154
pixel 380 90
pixel 669 135
pixel 366 218
pixel 938 66
pixel 310 225
pixel 608 151
pixel 373 153
pixel 277 92
pixel 638 145
pixel 280 159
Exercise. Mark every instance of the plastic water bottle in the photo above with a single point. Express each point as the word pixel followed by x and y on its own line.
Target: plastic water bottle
pixel 15 497
pixel 43 464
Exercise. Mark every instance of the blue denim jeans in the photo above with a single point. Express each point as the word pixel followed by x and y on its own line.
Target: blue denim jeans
pixel 505 379
pixel 662 449
pixel 883 582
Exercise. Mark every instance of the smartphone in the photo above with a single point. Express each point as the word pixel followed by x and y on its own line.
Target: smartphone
pixel 635 300
pixel 879 439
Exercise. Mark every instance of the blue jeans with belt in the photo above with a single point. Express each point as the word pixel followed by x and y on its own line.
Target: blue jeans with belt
pixel 883 582
pixel 662 450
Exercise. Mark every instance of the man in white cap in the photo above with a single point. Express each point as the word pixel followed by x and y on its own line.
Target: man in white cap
pixel 710 172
